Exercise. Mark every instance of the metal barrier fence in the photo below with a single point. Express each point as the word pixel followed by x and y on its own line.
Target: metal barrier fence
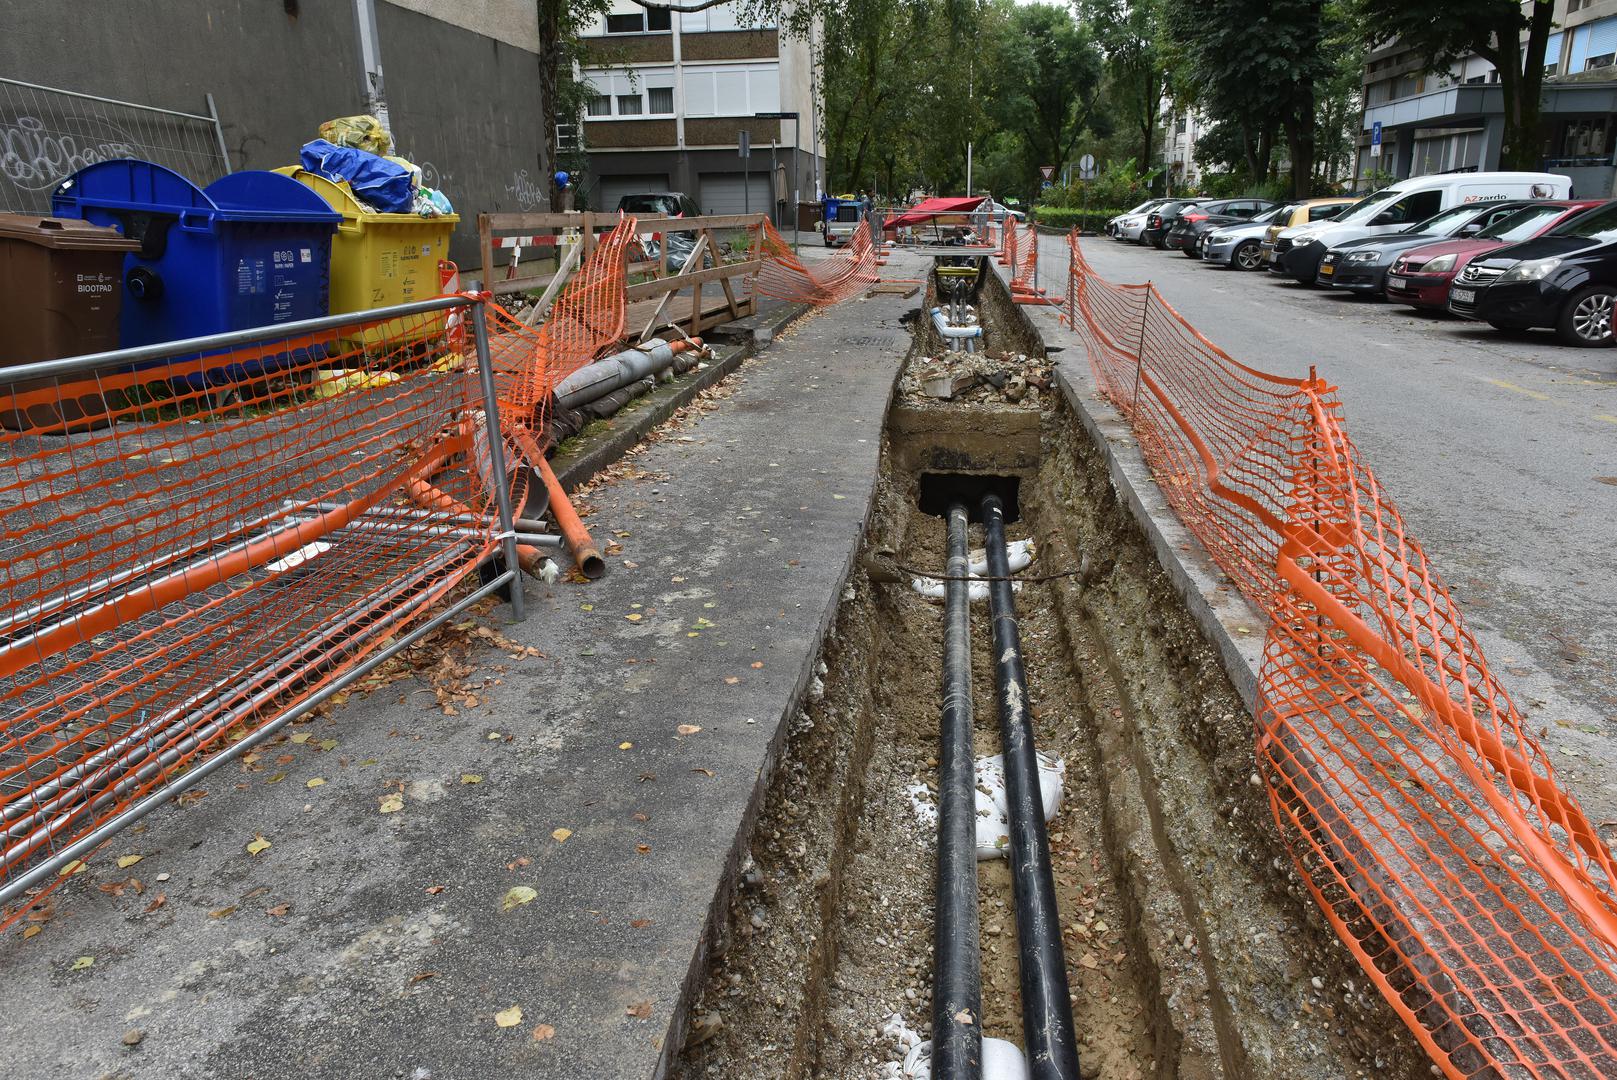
pixel 1421 812
pixel 46 135
pixel 201 541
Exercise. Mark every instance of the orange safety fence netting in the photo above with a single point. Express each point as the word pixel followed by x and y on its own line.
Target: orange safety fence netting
pixel 190 546
pixel 1424 816
pixel 783 276
pixel 1024 255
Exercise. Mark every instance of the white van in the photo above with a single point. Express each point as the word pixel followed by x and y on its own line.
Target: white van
pixel 1402 205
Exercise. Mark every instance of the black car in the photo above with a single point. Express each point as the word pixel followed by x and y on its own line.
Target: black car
pixel 1185 232
pixel 1360 266
pixel 1565 280
pixel 1160 220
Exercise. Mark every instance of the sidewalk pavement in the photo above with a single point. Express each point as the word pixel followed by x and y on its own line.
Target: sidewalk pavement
pixel 560 842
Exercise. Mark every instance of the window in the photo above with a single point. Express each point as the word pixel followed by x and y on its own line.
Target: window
pixel 1601 61
pixel 629 105
pixel 732 89
pixel 638 22
pixel 621 93
pixel 660 99
pixel 722 17
pixel 1417 207
pixel 600 105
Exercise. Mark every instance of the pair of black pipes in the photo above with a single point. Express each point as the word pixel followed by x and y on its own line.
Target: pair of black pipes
pixel 1047 1027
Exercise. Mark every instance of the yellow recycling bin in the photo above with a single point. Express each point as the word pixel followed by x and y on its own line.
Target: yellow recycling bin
pixel 382 259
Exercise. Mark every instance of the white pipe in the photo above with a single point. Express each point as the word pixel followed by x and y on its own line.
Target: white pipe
pixel 1019 555
pixel 613 373
pixel 954 331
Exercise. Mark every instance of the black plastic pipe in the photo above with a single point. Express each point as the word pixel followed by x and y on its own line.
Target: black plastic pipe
pixel 1047 1027
pixel 957 1012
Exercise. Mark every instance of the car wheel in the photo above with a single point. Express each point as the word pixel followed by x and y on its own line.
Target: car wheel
pixel 1586 319
pixel 1160 244
pixel 1189 251
pixel 1508 328
pixel 1248 256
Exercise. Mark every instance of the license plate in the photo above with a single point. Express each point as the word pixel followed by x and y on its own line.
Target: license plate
pixel 1462 296
pixel 1327 270
pixel 1397 283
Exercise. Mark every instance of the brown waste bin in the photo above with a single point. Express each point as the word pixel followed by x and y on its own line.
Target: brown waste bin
pixel 61 283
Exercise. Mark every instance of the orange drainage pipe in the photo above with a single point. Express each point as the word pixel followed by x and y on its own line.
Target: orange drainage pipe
pixel 585 555
pixel 530 558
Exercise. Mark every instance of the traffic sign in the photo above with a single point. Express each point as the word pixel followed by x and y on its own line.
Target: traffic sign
pixel 1047 171
pixel 1086 167
pixel 776 115
pixel 1048 184
pixel 1375 139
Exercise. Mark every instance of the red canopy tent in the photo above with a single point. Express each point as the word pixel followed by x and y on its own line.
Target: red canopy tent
pixel 934 212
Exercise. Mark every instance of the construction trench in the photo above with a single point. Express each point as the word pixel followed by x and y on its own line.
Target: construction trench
pixel 1188 945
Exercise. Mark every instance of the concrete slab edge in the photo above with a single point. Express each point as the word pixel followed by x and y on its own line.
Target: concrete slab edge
pixel 718 912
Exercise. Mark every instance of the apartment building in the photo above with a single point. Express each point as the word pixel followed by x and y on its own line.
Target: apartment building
pixel 672 94
pixel 1181 127
pixel 1455 120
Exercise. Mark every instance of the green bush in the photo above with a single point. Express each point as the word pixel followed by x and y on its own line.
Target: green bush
pixel 1065 217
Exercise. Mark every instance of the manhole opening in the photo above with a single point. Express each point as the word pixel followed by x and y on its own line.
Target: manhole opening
pixel 940 490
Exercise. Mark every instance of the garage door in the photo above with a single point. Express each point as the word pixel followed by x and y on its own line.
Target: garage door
pixel 724 193
pixel 612 188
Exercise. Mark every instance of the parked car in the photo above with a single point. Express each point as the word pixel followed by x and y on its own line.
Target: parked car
pixel 1193 223
pixel 1159 220
pixel 1238 244
pixel 1360 266
pixel 1302 213
pixel 1421 278
pixel 665 204
pixel 1565 280
pixel 1408 201
pixel 1127 225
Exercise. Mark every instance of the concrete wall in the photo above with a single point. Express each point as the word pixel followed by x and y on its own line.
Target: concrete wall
pixel 463 103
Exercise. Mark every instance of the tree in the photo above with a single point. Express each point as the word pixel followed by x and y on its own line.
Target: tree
pixel 1047 85
pixel 1127 32
pixel 1443 32
pixel 1254 63
pixel 560 23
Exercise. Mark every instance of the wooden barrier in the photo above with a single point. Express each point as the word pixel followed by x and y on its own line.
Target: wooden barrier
pixel 650 301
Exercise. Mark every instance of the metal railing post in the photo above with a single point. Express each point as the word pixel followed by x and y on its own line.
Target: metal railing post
pixel 1139 348
pixel 496 453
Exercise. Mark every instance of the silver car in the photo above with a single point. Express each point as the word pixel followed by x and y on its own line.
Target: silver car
pixel 1129 225
pixel 1239 245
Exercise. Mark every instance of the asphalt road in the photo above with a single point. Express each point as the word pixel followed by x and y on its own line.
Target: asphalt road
pixel 1500 452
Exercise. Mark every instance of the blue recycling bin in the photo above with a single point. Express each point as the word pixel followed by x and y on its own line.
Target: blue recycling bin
pixel 251 249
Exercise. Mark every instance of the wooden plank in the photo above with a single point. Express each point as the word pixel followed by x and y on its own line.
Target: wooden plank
pixel 695 259
pixel 729 290
pixel 522 284
pixel 563 270
pixel 485 242
pixel 529 222
pixel 586 226
pixel 675 282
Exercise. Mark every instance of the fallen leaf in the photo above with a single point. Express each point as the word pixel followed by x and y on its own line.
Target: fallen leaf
pixel 222 913
pixel 644 849
pixel 286 759
pixel 82 962
pixel 639 924
pixel 757 664
pixel 641 1009
pixel 331 744
pixel 516 896
pixel 278 910
pixel 157 901
pixel 470 778
pixel 126 861
pixel 636 617
pixel 422 976
pixel 625 746
pixel 509 1017
pixel 276 779
pixel 301 737
pixel 434 890
pixel 704 772
pixel 731 680
pixel 493 735
pixel 30 931
pixel 316 782
pixel 689 729
pixel 543 1032
pixel 74 867
pixel 390 804
pixel 561 835
pixel 258 844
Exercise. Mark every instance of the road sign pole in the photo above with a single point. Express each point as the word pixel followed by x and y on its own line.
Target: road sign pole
pixel 744 147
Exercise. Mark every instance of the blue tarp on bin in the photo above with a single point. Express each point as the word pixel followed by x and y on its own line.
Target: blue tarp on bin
pixel 251 249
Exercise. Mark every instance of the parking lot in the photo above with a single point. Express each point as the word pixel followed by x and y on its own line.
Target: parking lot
pixel 1500 451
